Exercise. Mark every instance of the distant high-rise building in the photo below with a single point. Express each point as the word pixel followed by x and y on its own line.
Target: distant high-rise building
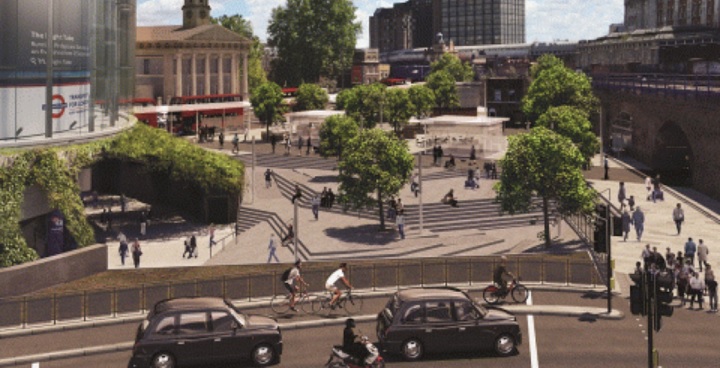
pixel 415 23
pixel 649 14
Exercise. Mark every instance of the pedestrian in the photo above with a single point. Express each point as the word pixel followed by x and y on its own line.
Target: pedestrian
pixel 188 250
pixel 247 131
pixel 670 258
pixel 638 220
pixel 631 203
pixel 626 222
pixel 493 171
pixel 400 222
pixel 300 143
pixel 221 139
pixel 109 218
pixel 123 249
pixel 143 222
pixel 331 198
pixel 268 178
pixel 289 237
pixel 399 206
pixel 657 191
pixel 324 198
pixel 678 216
pixel 392 209
pixel 211 232
pixel 273 142
pixel 472 155
pixel 136 253
pixel 415 185
pixel 271 249
pixel 690 250
pixel 658 260
pixel 648 187
pixel 702 253
pixel 647 256
pixel 682 282
pixel 236 143
pixel 288 144
pixel 697 286
pixel 680 259
pixel 315 206
pixel 606 166
pixel 298 194
pixel 309 144
pixel 440 154
pixel 622 195
pixel 711 285
pixel 123 203
pixel 193 246
pixel 435 155
pixel 103 216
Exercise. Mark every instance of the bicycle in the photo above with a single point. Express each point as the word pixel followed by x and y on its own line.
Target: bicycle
pixel 280 304
pixel 352 304
pixel 492 294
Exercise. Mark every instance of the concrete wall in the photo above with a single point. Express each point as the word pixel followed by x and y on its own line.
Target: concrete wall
pixel 47 272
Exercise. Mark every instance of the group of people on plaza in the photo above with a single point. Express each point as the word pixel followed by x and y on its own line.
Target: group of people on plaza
pixel 135 250
pixel 634 216
pixel 691 287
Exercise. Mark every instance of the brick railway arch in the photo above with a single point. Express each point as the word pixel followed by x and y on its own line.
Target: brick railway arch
pixel 673 154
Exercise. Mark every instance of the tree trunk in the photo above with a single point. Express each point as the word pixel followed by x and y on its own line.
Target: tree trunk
pixel 267 132
pixel 546 218
pixel 380 207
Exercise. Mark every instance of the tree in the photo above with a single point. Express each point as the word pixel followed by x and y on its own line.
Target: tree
pixel 422 99
pixel 334 133
pixel 398 108
pixel 461 72
pixel 443 86
pixel 364 103
pixel 267 104
pixel 556 85
pixel 573 123
pixel 343 99
pixel 314 38
pixel 310 97
pixel 546 165
pixel 243 27
pixel 374 162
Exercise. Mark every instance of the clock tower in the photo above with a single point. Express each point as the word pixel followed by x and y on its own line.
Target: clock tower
pixel 196 13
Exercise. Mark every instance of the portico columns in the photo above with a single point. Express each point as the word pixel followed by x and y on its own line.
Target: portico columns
pixel 221 81
pixel 207 74
pixel 234 74
pixel 245 92
pixel 194 74
pixel 178 75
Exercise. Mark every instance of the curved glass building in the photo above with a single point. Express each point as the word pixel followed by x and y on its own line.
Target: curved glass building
pixel 66 67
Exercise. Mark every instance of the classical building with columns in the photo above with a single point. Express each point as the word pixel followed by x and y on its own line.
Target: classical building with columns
pixel 197 58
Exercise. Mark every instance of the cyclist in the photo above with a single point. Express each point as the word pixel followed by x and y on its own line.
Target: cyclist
pixel 336 276
pixel 501 276
pixel 293 283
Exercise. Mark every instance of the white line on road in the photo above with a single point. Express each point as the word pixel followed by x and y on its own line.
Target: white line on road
pixel 531 336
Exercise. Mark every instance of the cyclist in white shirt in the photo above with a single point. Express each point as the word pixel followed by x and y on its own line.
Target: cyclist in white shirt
pixel 339 274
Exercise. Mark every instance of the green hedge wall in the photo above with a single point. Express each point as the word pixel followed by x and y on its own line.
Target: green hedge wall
pixel 56 171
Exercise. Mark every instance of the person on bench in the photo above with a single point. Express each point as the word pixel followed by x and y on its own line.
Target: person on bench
pixel 450 198
pixel 471 183
pixel 450 164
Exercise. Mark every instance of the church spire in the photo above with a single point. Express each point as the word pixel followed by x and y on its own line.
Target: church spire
pixel 196 13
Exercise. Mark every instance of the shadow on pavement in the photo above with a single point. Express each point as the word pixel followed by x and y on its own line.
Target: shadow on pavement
pixel 324 179
pixel 364 234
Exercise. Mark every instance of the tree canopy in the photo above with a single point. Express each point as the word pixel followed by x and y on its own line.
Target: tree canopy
pixel 314 38
pixel 335 133
pixel 376 163
pixel 574 124
pixel 310 97
pixel 461 72
pixel 556 85
pixel 546 165
pixel 398 108
pixel 443 86
pixel 422 99
pixel 267 102
pixel 243 27
pixel 364 102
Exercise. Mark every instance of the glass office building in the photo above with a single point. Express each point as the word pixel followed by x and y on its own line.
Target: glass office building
pixel 66 66
pixel 481 22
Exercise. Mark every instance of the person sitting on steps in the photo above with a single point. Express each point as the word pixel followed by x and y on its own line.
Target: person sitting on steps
pixel 450 198
pixel 450 163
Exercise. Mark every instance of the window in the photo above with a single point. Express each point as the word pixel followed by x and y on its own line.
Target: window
pixel 464 311
pixel 222 321
pixel 438 312
pixel 166 326
pixel 414 314
pixel 192 323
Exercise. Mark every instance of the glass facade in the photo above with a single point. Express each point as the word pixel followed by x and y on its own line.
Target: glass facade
pixel 76 56
pixel 483 22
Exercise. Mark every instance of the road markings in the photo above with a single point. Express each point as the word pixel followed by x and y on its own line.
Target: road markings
pixel 531 336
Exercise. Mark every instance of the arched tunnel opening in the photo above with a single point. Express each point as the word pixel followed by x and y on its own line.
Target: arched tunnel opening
pixel 672 157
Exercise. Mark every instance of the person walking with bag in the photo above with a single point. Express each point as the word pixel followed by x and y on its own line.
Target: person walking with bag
pixel 136 253
pixel 271 249
pixel 123 249
pixel 400 221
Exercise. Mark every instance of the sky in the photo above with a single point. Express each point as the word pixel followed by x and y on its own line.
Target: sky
pixel 546 20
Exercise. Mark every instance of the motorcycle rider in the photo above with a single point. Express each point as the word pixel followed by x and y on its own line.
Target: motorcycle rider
pixel 351 339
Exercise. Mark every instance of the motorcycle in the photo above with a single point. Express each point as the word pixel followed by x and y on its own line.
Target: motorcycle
pixel 341 359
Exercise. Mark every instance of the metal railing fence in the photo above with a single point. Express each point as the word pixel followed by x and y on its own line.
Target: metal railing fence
pixel 385 274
